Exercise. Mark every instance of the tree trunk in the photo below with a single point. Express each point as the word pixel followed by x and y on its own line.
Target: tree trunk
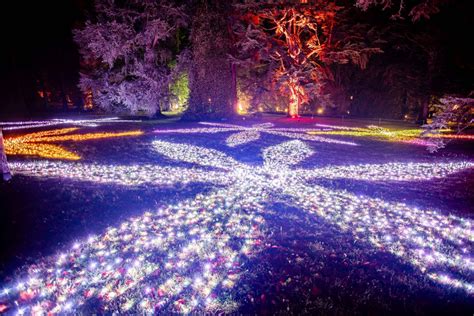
pixel 4 169
pixel 212 88
pixel 432 68
pixel 423 119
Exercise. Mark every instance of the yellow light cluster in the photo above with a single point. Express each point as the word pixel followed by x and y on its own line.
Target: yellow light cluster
pixel 38 144
pixel 371 131
pixel 406 135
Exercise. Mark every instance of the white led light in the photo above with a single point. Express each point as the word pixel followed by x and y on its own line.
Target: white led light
pixel 186 250
pixel 245 134
pixel 56 122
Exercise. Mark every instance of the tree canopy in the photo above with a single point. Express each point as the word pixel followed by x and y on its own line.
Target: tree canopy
pixel 347 56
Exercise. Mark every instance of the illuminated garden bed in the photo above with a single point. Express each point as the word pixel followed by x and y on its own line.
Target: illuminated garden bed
pixel 240 216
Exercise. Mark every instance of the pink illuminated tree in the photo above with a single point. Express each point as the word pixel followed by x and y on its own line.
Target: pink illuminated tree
pixel 451 112
pixel 128 50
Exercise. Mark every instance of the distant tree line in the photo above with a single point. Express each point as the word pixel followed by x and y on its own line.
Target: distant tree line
pixel 358 57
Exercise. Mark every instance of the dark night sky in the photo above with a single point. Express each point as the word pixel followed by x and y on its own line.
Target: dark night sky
pixel 36 39
pixel 457 24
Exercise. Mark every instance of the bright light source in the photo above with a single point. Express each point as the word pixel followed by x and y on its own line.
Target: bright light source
pixel 241 108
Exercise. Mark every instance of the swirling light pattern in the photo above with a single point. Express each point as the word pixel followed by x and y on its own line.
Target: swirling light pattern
pixel 411 136
pixel 434 243
pixel 183 257
pixel 177 258
pixel 246 134
pixel 388 171
pixel 164 176
pixel 14 125
pixel 129 175
pixel 38 144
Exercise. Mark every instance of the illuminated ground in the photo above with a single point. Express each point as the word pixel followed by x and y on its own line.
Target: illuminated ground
pixel 243 217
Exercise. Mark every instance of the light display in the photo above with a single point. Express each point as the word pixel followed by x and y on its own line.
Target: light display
pixel 166 176
pixel 114 174
pixel 177 257
pixel 182 258
pixel 388 171
pixel 245 134
pixel 427 239
pixel 453 136
pixel 39 143
pixel 411 136
pixel 55 122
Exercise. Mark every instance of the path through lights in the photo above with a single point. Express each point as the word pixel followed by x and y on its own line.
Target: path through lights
pixel 246 134
pixel 39 143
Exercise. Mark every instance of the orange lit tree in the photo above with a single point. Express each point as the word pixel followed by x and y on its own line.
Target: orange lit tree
pixel 291 44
